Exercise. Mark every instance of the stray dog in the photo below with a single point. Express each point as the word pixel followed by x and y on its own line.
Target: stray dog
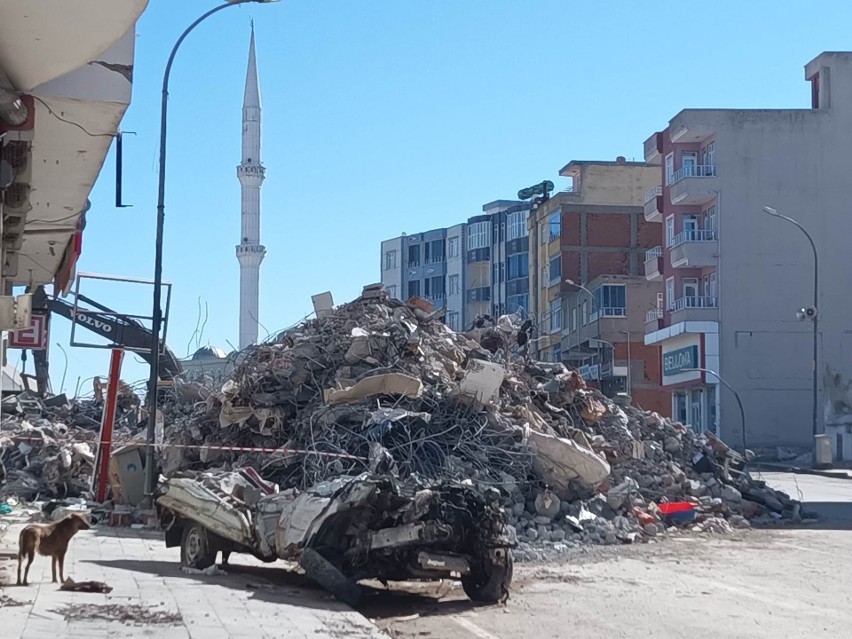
pixel 49 540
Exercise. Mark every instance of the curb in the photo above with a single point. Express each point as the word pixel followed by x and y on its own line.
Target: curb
pixel 831 474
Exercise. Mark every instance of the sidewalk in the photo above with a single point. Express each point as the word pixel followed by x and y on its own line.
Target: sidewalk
pixel 252 601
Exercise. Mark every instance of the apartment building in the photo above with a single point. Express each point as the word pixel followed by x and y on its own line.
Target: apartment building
pixel 472 268
pixel 734 276
pixel 595 234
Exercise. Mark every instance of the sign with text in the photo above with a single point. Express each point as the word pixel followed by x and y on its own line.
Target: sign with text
pixel 675 362
pixel 34 337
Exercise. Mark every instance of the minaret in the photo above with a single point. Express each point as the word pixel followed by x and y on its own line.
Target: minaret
pixel 250 252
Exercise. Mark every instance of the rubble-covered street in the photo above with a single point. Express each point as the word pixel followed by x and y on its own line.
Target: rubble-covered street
pixel 756 584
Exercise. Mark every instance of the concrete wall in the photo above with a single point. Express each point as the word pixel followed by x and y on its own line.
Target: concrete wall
pixel 797 162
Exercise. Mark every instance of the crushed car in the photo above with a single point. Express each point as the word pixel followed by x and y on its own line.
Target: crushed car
pixel 345 529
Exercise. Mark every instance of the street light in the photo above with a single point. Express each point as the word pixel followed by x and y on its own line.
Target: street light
pixel 156 315
pixel 629 382
pixel 579 318
pixel 736 395
pixel 808 313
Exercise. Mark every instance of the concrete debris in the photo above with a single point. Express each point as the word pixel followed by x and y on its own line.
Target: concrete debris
pixel 48 446
pixel 383 385
pixel 132 614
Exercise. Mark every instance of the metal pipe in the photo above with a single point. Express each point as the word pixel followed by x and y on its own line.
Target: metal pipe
pixel 736 395
pixel 156 321
pixel 815 319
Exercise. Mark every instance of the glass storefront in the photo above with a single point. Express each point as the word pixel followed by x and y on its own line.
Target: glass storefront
pixel 696 407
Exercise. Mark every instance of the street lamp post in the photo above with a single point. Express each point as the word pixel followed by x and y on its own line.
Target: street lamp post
pixel 736 395
pixel 812 313
pixel 591 297
pixel 156 314
pixel 629 363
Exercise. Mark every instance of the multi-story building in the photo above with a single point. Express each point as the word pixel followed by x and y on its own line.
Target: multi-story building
pixel 734 276
pixel 580 239
pixel 465 267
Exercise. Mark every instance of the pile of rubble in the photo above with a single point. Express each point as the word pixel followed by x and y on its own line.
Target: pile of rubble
pixel 48 446
pixel 384 386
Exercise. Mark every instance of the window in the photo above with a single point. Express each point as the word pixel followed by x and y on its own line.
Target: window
pixel 414 288
pixel 573 326
pixel 555 315
pixel 390 260
pixel 454 285
pixel 517 303
pixel 670 293
pixel 711 289
pixel 669 231
pixel 517 225
pixel 434 251
pixel 502 271
pixel 711 220
pixel 453 246
pixel 554 221
pixel 611 300
pixel 585 312
pixel 477 235
pixel 710 154
pixel 555 270
pixel 435 287
pixel 557 354
pixel 391 290
pixel 669 168
pixel 690 287
pixel 688 162
pixel 690 228
pixel 453 321
pixel 519 265
pixel 414 255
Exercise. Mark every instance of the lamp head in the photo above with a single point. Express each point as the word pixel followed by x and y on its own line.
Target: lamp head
pixel 770 210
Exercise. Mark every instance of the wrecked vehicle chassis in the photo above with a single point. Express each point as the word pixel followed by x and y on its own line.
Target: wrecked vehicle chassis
pixel 346 529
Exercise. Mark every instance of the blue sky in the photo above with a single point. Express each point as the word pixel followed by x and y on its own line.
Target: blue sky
pixel 385 116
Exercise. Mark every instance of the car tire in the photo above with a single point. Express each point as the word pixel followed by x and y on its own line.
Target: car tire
pixel 326 574
pixel 490 582
pixel 195 548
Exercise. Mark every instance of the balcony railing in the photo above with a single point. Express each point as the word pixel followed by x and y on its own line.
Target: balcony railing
pixel 653 315
pixel 608 311
pixel 654 253
pixel 693 235
pixel 434 260
pixel 414 264
pixel 653 192
pixel 693 170
pixel 701 301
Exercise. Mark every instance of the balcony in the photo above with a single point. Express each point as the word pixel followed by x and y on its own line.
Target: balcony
pixel 693 185
pixel 608 311
pixel 695 309
pixel 653 320
pixel 654 264
pixel 694 249
pixel 653 148
pixel 654 204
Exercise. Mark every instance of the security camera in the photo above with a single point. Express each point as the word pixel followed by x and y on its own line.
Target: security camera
pixel 808 312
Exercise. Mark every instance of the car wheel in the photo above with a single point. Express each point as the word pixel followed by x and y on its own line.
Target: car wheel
pixel 195 550
pixel 326 574
pixel 489 582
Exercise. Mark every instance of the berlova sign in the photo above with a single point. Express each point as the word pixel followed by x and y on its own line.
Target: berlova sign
pixel 677 361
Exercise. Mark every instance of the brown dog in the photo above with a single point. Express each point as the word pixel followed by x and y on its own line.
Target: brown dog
pixel 49 540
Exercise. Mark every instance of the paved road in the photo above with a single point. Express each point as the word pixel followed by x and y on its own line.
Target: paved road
pixel 252 601
pixel 758 584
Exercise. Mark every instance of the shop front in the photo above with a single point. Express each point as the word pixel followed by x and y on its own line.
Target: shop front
pixel 695 397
